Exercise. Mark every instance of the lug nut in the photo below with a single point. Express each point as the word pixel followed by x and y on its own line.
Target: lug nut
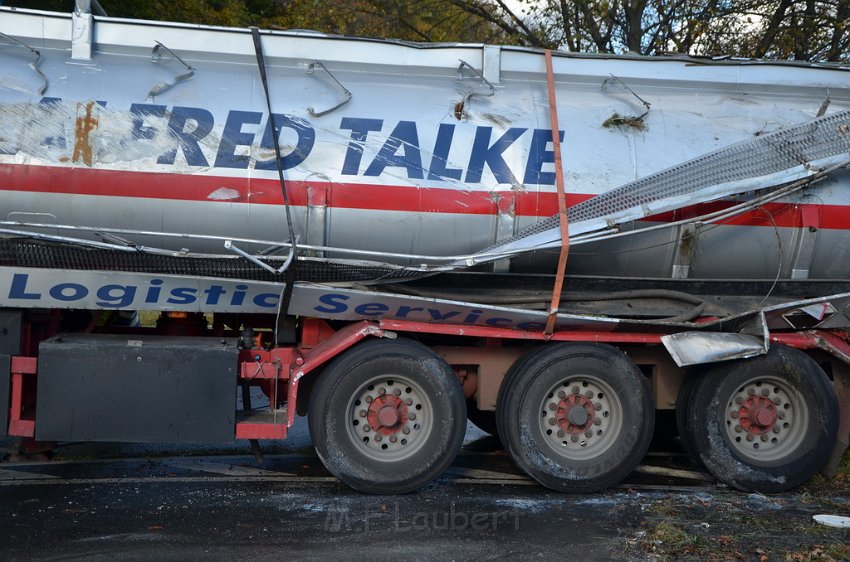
pixel 780 414
pixel 552 421
pixel 749 437
pixel 738 429
pixel 733 414
pixel 575 390
pixel 362 413
pixel 764 437
pixel 597 406
pixel 561 433
pixel 408 401
pixel 405 430
pixel 382 391
pixel 765 392
pixel 393 438
pixel 589 394
pixel 366 428
pixel 562 394
pixel 588 433
pixel 397 392
pixel 751 392
pixel 739 400
pixel 597 421
pixel 776 429
pixel 574 438
pixel 378 438
pixel 369 399
pixel 411 416
pixel 553 406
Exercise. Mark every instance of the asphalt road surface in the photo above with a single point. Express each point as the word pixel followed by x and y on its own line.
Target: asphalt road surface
pixel 187 502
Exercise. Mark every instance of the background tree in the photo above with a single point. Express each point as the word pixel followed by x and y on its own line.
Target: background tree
pixel 778 29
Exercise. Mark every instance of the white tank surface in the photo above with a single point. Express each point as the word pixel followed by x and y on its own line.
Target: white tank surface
pixel 156 136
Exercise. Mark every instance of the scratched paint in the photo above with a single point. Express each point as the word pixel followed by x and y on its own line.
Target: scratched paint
pixel 89 134
pixel 85 124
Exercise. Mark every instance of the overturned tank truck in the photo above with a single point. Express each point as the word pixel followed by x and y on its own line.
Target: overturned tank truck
pixel 389 237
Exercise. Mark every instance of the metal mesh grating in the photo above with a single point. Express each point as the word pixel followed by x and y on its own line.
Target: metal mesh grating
pixel 28 253
pixel 761 156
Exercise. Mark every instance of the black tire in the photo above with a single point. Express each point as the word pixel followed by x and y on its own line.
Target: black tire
pixel 415 386
pixel 602 436
pixel 485 420
pixel 765 424
pixel 683 407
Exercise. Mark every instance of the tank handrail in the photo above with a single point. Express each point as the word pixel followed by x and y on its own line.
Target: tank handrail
pixel 346 95
pixel 166 85
pixel 34 64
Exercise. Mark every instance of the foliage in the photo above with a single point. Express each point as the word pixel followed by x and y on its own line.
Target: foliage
pixel 778 29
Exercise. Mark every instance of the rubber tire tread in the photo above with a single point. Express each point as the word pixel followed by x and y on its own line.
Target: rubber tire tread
pixel 345 375
pixel 521 395
pixel 707 413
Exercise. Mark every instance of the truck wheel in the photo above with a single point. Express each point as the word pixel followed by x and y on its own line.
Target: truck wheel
pixel 683 406
pixel 764 424
pixel 575 417
pixel 485 420
pixel 387 417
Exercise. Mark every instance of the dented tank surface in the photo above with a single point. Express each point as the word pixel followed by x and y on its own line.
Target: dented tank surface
pixel 441 150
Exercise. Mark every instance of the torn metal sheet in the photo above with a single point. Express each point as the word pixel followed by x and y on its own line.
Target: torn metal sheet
pixel 113 290
pixel 696 348
pixel 764 162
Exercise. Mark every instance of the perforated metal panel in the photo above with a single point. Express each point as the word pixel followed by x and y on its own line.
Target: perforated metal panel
pixel 763 155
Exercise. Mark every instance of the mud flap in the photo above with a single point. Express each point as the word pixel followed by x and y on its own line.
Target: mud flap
pixel 138 389
pixel 841 381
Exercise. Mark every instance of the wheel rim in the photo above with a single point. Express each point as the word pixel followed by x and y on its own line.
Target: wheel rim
pixel 389 418
pixel 766 419
pixel 581 417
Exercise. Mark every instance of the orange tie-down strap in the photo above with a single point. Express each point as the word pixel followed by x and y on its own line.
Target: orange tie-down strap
pixel 562 199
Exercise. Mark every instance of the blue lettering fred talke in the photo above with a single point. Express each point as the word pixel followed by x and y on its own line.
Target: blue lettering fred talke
pixel 401 150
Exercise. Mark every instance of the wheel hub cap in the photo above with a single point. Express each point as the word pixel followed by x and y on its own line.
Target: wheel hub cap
pixel 766 419
pixel 757 415
pixel 387 414
pixel 575 414
pixel 581 417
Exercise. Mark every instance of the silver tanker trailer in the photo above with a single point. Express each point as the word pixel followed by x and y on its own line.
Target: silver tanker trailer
pixel 287 204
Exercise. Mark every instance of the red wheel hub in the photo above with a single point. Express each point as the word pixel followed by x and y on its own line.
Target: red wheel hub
pixel 387 414
pixel 757 415
pixel 575 414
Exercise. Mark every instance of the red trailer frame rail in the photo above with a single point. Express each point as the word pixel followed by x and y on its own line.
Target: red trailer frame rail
pixel 22 368
pixel 479 356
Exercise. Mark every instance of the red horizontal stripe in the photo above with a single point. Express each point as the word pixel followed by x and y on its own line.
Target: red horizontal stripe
pixel 191 187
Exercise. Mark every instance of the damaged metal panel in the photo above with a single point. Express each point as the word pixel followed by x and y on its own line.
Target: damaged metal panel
pixel 695 348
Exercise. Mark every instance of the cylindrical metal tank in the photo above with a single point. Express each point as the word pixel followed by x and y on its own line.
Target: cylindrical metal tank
pixel 127 128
